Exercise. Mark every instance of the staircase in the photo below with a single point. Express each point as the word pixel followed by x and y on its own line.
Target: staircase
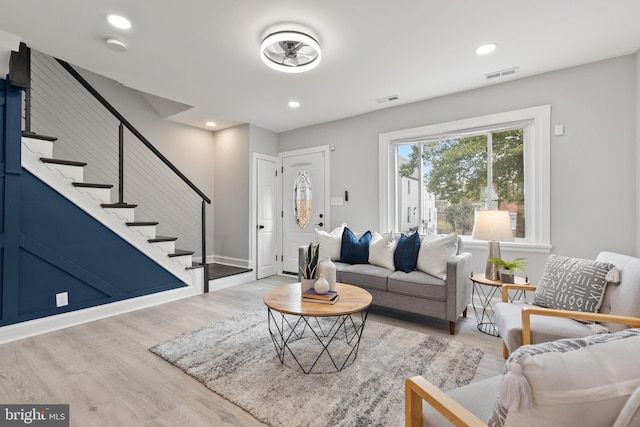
pixel 67 178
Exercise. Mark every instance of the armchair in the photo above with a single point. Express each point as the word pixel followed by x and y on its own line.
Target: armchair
pixel 537 389
pixel 526 323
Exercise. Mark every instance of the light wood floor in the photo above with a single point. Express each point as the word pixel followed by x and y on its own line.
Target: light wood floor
pixel 105 372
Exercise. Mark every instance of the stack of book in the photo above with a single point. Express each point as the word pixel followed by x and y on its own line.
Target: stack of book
pixel 311 296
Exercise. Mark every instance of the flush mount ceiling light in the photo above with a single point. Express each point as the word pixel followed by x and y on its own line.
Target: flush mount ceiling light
pixel 294 104
pixel 119 22
pixel 115 44
pixel 290 51
pixel 211 124
pixel 486 48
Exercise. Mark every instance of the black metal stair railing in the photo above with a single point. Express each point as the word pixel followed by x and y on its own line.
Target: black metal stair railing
pixel 24 59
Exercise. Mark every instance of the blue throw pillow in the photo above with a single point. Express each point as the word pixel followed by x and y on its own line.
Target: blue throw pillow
pixel 405 257
pixel 355 251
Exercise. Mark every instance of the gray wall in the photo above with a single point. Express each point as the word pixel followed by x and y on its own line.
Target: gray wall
pixel 263 141
pixel 593 165
pixel 87 133
pixel 233 183
pixel 232 196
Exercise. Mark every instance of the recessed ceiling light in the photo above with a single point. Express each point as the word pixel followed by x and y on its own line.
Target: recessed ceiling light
pixel 486 48
pixel 294 104
pixel 115 44
pixel 211 124
pixel 119 22
pixel 290 51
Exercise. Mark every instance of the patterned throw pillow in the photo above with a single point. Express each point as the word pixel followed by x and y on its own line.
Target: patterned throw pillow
pixel 572 284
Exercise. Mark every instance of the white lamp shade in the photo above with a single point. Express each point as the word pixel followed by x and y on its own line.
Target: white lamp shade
pixel 492 225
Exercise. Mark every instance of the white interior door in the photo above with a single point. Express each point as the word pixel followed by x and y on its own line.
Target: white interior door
pixel 267 208
pixel 296 233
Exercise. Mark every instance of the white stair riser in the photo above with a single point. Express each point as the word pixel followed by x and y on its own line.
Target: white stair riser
pixel 148 231
pixel 126 214
pixel 186 260
pixel 43 148
pixel 75 173
pixel 168 247
pixel 100 195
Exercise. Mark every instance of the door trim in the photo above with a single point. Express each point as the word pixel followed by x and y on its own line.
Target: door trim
pixel 325 149
pixel 254 210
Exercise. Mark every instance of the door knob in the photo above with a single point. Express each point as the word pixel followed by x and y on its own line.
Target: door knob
pixel 260 227
pixel 320 224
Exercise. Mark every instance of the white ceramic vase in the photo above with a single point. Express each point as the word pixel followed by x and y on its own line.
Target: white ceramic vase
pixel 321 286
pixel 306 284
pixel 328 268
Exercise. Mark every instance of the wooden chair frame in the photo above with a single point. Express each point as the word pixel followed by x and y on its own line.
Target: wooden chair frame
pixel 418 389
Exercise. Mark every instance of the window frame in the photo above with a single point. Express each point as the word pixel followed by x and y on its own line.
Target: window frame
pixel 537 156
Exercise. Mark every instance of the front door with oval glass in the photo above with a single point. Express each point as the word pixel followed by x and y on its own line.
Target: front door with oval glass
pixel 303 203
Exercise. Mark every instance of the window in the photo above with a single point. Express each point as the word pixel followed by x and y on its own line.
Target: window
pixel 455 172
pixel 485 163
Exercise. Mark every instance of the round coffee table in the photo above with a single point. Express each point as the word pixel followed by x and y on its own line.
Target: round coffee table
pixel 335 330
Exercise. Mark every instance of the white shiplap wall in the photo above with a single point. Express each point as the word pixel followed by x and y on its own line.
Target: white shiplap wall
pixel 87 132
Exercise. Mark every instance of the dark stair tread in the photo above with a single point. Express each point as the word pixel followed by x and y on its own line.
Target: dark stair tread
pixel 163 239
pixel 141 223
pixel 117 205
pixel 180 252
pixel 194 265
pixel 38 136
pixel 90 185
pixel 62 162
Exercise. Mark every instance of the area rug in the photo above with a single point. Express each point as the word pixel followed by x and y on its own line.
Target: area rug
pixel 237 359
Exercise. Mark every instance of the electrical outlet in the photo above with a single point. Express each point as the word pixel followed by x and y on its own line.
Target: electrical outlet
pixel 62 299
pixel 558 130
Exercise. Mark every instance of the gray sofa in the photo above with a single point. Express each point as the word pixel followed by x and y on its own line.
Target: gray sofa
pixel 415 292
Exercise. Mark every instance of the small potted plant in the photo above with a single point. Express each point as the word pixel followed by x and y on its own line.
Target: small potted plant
pixel 508 268
pixel 310 267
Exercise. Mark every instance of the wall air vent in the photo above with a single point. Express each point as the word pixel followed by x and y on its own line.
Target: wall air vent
pixel 387 99
pixel 502 73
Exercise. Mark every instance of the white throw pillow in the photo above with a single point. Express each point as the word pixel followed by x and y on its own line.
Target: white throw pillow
pixel 381 250
pixel 330 243
pixel 585 387
pixel 434 254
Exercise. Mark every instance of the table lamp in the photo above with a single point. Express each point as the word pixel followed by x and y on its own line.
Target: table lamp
pixel 493 226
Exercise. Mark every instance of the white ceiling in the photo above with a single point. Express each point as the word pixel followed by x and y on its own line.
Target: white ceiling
pixel 205 53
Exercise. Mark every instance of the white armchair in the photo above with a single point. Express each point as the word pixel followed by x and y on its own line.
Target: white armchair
pixel 520 323
pixel 587 382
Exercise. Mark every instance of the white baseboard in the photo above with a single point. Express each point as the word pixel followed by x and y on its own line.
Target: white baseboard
pixel 234 262
pixel 229 281
pixel 65 320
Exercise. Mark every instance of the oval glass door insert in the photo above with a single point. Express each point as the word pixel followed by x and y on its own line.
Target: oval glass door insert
pixel 302 198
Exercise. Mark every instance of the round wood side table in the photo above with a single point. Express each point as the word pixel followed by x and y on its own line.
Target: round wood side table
pixel 486 290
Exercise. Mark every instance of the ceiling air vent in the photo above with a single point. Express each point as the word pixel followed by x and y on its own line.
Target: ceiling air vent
pixel 387 99
pixel 507 72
